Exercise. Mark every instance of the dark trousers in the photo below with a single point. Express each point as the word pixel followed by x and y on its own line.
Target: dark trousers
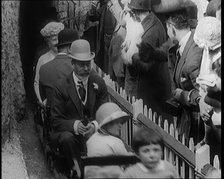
pixel 71 146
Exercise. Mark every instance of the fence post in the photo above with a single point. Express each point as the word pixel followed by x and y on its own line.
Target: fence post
pixel 166 152
pixel 154 118
pixel 191 147
pixel 216 163
pixel 137 109
pixel 202 157
pixel 145 112
pixel 150 114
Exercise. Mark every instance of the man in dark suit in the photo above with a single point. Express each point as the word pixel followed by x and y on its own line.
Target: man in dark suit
pixel 184 66
pixel 59 67
pixel 107 23
pixel 74 103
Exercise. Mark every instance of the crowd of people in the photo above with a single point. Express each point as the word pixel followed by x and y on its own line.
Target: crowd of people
pixel 174 66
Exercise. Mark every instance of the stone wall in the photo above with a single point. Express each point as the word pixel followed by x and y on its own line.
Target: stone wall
pixel 13 93
pixel 73 13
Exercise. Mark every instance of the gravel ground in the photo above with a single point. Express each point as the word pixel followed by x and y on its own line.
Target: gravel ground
pixel 22 156
pixel 13 164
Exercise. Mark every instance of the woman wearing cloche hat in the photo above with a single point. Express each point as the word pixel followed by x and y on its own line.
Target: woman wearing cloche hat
pixel 106 140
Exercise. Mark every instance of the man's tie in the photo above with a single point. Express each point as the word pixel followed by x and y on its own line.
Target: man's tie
pixel 82 91
pixel 178 53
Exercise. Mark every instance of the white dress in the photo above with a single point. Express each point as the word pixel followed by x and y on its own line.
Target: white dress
pixel 47 57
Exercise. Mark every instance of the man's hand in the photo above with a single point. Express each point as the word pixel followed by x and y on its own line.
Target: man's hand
pixel 82 128
pixel 90 131
pixel 205 110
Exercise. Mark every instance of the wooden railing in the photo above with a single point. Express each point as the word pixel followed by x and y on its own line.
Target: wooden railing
pixel 187 161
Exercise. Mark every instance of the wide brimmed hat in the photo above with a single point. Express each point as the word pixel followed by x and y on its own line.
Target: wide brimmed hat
pixel 52 28
pixel 142 5
pixel 67 36
pixel 110 112
pixel 80 50
pixel 208 32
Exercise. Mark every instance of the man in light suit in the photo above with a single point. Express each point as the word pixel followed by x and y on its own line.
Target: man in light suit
pixel 184 66
pixel 74 103
pixel 59 67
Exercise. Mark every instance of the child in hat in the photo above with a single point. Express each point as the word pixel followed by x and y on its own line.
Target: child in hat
pixel 148 146
pixel 106 140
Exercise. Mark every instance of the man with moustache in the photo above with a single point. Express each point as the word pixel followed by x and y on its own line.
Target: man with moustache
pixel 74 104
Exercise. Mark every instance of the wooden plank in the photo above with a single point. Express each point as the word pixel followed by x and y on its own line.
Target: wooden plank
pixel 166 152
pixel 145 111
pixel 150 114
pixel 133 99
pixel 170 142
pixel 171 153
pixel 159 121
pixel 137 108
pixel 216 162
pixel 202 157
pixel 125 105
pixel 191 147
pixel 154 118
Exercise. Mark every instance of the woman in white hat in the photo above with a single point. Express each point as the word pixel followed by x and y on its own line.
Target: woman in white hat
pixel 50 33
pixel 106 140
pixel 208 36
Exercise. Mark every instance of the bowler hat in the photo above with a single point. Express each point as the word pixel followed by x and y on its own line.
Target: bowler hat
pixel 80 50
pixel 140 4
pixel 67 36
pixel 110 112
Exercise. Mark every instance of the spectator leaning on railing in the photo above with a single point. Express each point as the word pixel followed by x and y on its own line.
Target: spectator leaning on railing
pixel 208 37
pixel 184 66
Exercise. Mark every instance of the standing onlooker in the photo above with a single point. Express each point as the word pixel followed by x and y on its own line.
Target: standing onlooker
pixel 107 23
pixel 50 32
pixel 116 66
pixel 148 146
pixel 184 65
pixel 208 37
pixel 149 71
pixel 58 68
pixel 75 100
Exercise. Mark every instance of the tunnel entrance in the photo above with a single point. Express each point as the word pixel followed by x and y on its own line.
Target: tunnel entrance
pixel 33 16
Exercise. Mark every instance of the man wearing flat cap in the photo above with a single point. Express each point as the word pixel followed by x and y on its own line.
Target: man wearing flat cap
pixel 58 68
pixel 50 33
pixel 75 101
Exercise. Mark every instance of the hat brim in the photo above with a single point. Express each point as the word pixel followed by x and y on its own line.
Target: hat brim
pixel 65 43
pixel 79 58
pixel 123 117
pixel 138 8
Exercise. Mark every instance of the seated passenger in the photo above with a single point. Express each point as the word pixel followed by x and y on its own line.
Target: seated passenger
pixel 58 68
pixel 148 146
pixel 74 104
pixel 50 33
pixel 106 141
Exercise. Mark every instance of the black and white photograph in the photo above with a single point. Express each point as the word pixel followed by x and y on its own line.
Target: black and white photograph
pixel 111 89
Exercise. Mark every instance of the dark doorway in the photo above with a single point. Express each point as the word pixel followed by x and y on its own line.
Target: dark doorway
pixel 33 16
